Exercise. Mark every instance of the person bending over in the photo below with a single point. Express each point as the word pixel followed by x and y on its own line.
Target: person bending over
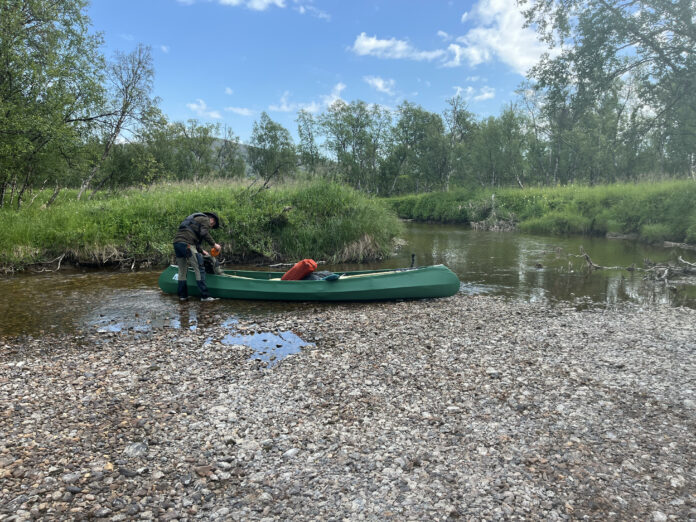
pixel 187 248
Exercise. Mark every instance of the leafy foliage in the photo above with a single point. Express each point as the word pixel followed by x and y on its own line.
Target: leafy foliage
pixel 653 212
pixel 50 90
pixel 319 220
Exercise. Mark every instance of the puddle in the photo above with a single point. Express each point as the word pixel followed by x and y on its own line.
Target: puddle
pixel 268 347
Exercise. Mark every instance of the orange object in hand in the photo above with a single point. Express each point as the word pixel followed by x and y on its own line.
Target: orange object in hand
pixel 214 252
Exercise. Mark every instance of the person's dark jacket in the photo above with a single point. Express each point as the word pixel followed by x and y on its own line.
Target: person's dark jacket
pixel 195 233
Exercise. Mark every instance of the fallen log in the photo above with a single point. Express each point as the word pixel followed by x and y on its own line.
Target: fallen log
pixel 685 246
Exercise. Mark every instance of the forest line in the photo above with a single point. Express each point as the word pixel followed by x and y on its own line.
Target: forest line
pixel 589 114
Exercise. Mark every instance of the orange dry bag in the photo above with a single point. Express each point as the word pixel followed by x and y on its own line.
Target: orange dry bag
pixel 300 270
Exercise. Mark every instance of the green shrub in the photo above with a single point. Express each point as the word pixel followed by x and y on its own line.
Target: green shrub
pixel 691 235
pixel 649 210
pixel 655 233
pixel 318 220
pixel 557 223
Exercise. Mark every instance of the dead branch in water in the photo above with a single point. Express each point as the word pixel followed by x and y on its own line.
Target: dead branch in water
pixel 280 265
pixel 654 271
pixel 685 246
pixel 686 262
pixel 59 259
pixel 594 266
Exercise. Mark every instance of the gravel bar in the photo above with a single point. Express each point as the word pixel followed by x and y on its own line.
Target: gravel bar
pixel 469 407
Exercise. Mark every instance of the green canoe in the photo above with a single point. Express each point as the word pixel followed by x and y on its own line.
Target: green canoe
pixel 366 285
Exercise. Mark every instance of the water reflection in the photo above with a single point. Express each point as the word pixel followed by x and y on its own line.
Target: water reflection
pixel 546 269
pixel 187 318
pixel 268 347
pixel 532 268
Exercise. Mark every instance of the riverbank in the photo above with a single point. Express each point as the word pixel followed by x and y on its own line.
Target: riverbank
pixel 134 228
pixel 649 212
pixel 471 407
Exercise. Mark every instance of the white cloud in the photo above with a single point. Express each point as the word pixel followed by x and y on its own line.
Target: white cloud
pixel 485 93
pixel 392 48
pixel 305 8
pixel 499 33
pixel 229 91
pixel 471 54
pixel 380 84
pixel 335 95
pixel 201 109
pixel 242 111
pixel 286 106
pixel 164 48
pixel 256 5
pixel 262 5
pixel 470 93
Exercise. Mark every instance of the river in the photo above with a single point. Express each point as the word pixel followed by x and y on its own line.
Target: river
pixel 519 266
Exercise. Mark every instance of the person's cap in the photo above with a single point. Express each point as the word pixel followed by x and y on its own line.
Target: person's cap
pixel 215 217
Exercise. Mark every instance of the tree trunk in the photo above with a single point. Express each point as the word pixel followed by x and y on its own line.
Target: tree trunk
pixel 107 148
pixel 25 184
pixel 53 196
pixel 12 191
pixel 99 186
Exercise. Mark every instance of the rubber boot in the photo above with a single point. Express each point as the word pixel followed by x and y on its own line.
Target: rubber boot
pixel 182 290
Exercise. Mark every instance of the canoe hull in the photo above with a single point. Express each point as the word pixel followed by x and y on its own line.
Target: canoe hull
pixel 368 285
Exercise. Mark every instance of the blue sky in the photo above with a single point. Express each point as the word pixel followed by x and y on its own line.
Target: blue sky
pixel 226 61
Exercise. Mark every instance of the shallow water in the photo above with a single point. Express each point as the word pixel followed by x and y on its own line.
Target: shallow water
pixel 531 268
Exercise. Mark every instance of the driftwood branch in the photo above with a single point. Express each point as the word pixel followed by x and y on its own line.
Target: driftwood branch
pixel 655 271
pixel 594 266
pixel 681 260
pixel 59 259
pixel 685 246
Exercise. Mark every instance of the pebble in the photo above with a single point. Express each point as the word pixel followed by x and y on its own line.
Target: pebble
pixel 470 407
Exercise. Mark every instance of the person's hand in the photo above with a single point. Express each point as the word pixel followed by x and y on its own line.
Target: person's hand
pixel 205 252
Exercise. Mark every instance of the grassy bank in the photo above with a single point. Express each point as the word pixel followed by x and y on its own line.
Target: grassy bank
pixel 651 212
pixel 319 220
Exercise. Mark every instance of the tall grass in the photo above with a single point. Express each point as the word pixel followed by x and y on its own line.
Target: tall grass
pixel 649 211
pixel 317 220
